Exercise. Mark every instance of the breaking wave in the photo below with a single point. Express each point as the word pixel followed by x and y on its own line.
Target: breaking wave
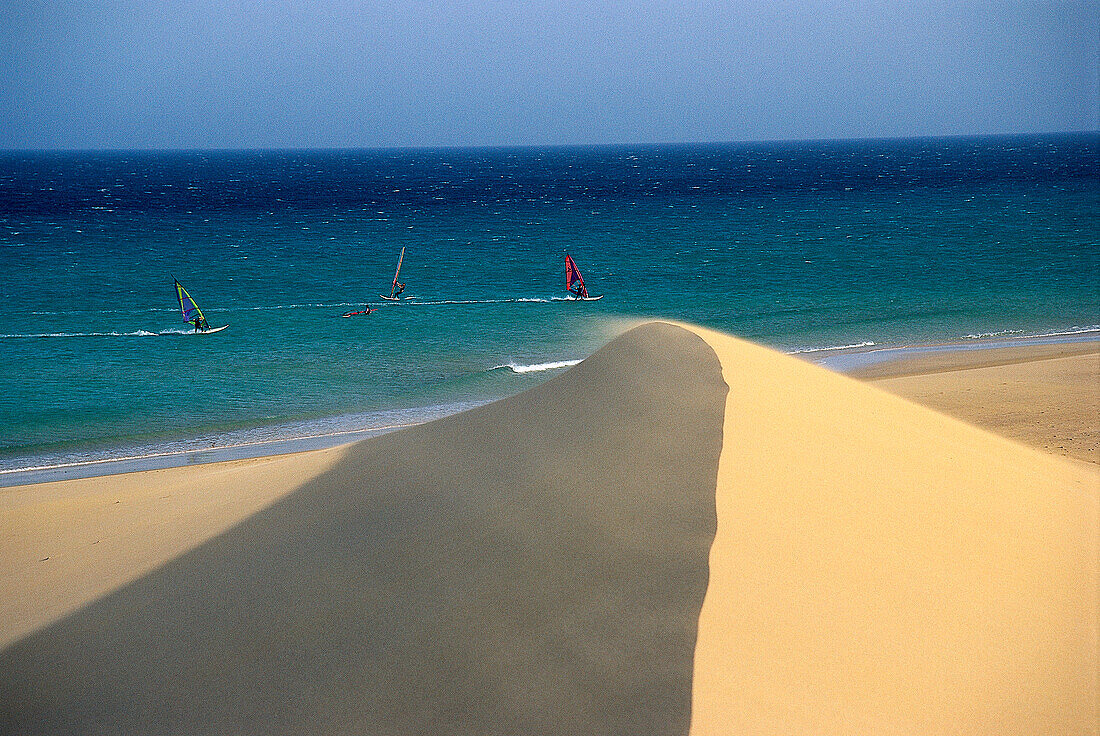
pixel 535 367
pixel 864 344
pixel 1021 334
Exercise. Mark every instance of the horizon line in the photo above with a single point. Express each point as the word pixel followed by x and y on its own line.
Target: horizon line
pixel 546 146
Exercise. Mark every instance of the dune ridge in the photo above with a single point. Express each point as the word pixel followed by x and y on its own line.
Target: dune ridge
pixel 684 533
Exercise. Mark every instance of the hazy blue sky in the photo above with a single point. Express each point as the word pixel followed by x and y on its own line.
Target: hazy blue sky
pixel 300 73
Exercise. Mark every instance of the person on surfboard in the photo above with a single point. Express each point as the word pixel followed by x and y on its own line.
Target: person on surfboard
pixel 397 292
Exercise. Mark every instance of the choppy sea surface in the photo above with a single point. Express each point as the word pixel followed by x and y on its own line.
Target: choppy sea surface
pixel 809 247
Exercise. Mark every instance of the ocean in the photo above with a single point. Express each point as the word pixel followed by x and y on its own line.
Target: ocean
pixel 806 246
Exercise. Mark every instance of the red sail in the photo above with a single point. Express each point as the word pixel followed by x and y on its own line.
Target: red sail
pixel 393 289
pixel 573 276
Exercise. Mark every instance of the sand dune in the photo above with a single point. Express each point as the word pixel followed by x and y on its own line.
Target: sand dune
pixel 881 568
pixel 533 566
pixel 683 533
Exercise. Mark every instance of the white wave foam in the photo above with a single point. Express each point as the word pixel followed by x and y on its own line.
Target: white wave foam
pixel 330 305
pixel 998 333
pixel 1070 331
pixel 309 305
pixel 1022 335
pixel 536 367
pixel 864 344
pixel 135 333
pixel 483 301
pixel 406 302
pixel 105 311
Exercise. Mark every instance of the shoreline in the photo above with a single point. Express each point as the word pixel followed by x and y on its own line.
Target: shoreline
pixel 864 362
pixel 246 444
pixel 860 358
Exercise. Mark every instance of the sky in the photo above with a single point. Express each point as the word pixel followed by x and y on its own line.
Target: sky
pixel 166 74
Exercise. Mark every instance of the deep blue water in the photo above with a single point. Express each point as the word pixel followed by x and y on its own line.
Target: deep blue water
pixel 798 245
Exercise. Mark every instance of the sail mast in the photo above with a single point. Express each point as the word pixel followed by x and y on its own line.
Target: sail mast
pixel 397 272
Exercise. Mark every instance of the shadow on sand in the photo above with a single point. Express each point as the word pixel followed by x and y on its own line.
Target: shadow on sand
pixel 536 565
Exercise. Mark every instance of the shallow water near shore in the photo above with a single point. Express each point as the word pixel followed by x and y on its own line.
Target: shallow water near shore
pixel 814 248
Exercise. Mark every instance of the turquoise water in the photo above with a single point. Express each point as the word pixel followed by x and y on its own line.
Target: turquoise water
pixel 804 247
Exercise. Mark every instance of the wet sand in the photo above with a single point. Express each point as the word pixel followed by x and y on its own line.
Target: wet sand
pixel 1046 396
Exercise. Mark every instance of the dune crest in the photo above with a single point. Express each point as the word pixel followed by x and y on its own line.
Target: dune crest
pixel 881 568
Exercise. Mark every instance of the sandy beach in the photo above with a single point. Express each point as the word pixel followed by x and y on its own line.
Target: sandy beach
pixel 685 533
pixel 1046 396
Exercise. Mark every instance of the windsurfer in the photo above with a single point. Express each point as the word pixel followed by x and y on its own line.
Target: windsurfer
pixel 397 291
pixel 574 284
pixel 192 315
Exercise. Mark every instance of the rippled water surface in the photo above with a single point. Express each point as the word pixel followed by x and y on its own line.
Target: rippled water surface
pixel 804 246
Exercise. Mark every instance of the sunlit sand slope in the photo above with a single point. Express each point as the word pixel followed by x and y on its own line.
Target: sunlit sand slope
pixel 879 568
pixel 536 565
